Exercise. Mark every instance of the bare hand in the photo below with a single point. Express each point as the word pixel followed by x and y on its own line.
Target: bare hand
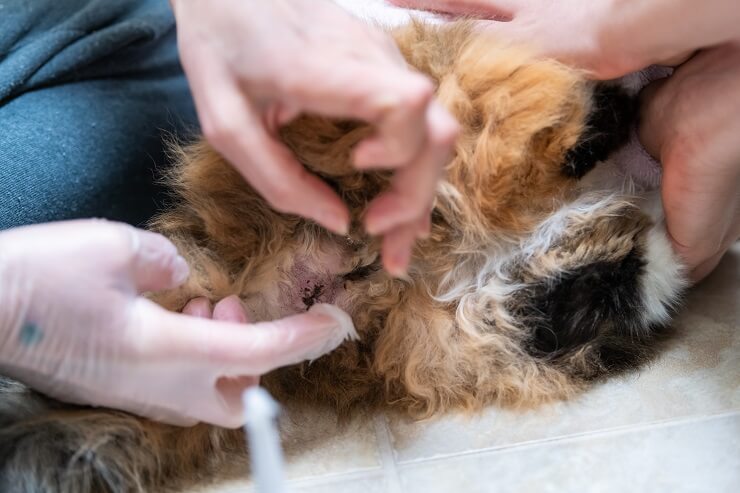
pixel 691 122
pixel 608 38
pixel 253 66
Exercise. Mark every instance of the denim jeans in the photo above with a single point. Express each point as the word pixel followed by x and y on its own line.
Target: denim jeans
pixel 89 91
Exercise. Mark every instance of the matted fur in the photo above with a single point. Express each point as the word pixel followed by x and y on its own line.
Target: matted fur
pixel 527 289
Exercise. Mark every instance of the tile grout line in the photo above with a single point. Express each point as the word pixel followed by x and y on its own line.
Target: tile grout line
pixel 573 437
pixel 334 478
pixel 389 466
pixel 385 447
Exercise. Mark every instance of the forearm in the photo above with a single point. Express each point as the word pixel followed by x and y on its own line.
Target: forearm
pixel 649 32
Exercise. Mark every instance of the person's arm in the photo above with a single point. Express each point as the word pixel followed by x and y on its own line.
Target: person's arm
pixel 74 326
pixel 253 66
pixel 665 31
pixel 608 37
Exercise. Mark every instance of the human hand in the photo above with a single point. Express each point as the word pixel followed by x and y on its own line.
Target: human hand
pixel 253 66
pixel 567 31
pixel 608 38
pixel 691 123
pixel 74 326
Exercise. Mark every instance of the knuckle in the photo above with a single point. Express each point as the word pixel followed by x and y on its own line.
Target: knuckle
pixel 445 133
pixel 217 130
pixel 419 91
pixel 417 94
pixel 292 85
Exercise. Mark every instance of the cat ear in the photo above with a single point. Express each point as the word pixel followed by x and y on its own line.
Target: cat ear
pixel 613 114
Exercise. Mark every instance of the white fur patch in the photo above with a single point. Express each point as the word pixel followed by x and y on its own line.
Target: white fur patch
pixel 345 330
pixel 663 277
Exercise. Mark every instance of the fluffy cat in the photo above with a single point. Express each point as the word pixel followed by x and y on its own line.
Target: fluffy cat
pixel 534 283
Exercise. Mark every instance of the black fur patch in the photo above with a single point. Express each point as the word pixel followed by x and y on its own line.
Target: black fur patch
pixel 607 129
pixel 597 303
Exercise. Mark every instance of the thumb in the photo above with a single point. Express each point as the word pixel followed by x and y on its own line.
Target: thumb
pixel 155 262
pixel 230 349
pixel 217 348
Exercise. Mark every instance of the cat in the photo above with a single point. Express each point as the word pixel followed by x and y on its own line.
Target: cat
pixel 534 283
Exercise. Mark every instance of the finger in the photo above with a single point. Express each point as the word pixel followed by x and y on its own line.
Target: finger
pixel 425 226
pixel 234 129
pixel 230 388
pixel 226 348
pixel 501 9
pixel 653 113
pixel 397 247
pixel 400 129
pixel 389 96
pixel 155 263
pixel 198 307
pixel 705 268
pixel 231 309
pixel 677 60
pixel 412 189
pixel 702 222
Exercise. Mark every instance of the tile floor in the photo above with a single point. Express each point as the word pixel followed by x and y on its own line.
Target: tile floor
pixel 673 427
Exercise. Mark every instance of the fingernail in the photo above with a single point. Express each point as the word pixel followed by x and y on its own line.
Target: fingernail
pixel 397 264
pixel 180 270
pixel 334 222
pixel 342 329
pixel 379 224
pixel 386 102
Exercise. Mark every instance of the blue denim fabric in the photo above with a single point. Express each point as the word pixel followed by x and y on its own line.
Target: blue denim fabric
pixel 88 90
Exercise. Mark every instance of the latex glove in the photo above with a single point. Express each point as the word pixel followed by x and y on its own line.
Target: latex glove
pixel 691 122
pixel 253 66
pixel 608 38
pixel 73 325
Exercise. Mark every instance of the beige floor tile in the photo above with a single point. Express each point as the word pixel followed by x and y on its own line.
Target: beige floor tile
pixel 318 447
pixel 371 483
pixel 698 375
pixel 680 457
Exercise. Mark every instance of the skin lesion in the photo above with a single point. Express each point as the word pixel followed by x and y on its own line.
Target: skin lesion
pixel 312 295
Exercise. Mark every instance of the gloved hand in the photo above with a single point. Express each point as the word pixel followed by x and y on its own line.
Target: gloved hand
pixel 253 66
pixel 73 324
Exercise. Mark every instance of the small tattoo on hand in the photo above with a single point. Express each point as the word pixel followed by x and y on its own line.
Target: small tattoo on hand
pixel 30 334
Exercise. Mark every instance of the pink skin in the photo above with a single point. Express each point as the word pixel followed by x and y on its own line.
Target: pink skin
pixel 310 287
